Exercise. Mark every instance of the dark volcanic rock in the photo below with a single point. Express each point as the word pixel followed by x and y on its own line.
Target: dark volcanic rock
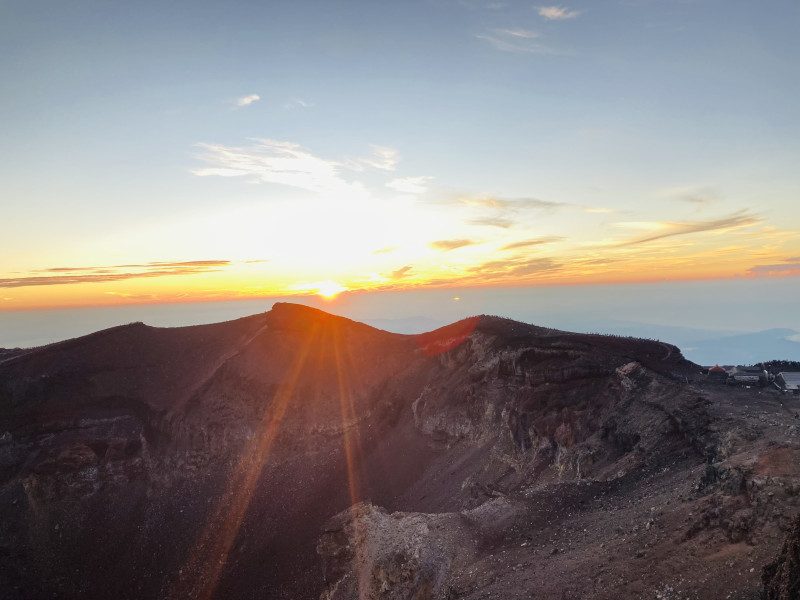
pixel 781 577
pixel 294 454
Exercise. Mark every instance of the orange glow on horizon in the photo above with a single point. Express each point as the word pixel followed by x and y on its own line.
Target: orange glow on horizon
pixel 265 279
pixel 78 298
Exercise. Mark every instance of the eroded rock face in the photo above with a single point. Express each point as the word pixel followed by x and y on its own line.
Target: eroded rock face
pixel 370 554
pixel 551 406
pixel 781 578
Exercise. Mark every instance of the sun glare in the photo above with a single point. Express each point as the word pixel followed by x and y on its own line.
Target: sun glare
pixel 329 289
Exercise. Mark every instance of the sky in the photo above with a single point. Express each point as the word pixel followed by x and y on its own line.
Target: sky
pixel 157 152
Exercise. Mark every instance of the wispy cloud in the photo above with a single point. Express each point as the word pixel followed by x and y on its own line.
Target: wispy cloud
pixel 247 100
pixel 512 270
pixel 515 267
pixel 386 250
pixel 557 13
pixel 525 34
pixel 505 213
pixel 383 158
pixel 132 296
pixel 151 265
pixel 586 262
pixel 532 242
pixel 402 272
pixel 659 230
pixel 410 185
pixel 519 41
pixel 790 266
pixel 510 204
pixel 285 163
pixel 492 222
pixel 597 209
pixel 288 163
pixel 72 275
pixel 297 103
pixel 694 194
pixel 447 245
pixel 271 161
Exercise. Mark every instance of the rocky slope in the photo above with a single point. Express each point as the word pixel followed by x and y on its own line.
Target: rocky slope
pixel 781 578
pixel 294 454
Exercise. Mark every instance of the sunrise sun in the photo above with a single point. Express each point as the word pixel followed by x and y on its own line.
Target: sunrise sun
pixel 329 289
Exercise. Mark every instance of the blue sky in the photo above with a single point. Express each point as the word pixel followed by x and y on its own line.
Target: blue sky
pixel 385 145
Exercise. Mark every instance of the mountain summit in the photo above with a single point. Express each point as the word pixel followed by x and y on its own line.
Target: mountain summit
pixel 297 454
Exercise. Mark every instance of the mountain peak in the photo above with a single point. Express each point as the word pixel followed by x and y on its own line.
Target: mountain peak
pixel 299 317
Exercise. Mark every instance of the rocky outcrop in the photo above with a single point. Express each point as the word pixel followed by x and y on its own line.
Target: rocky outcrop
pixel 370 554
pixel 781 577
pixel 551 405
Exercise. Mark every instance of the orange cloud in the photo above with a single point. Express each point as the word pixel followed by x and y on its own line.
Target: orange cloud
pixel 74 275
pixel 447 245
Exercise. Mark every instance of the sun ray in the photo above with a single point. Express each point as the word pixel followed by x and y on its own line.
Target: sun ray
pixel 352 445
pixel 201 573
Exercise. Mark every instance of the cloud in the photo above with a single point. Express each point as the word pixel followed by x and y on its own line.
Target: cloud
pixel 410 185
pixel 530 267
pixel 557 13
pixel 532 242
pixel 583 262
pixel 382 158
pixel 597 209
pixel 192 264
pixel 447 245
pixel 132 296
pixel 297 103
pixel 288 163
pixel 73 275
pixel 518 41
pixel 511 204
pixel 662 230
pixel 492 222
pixel 151 265
pixel 271 161
pixel 783 269
pixel 402 272
pixel 494 211
pixel 701 198
pixel 693 194
pixel 520 33
pixel 386 250
pixel 515 267
pixel 247 100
